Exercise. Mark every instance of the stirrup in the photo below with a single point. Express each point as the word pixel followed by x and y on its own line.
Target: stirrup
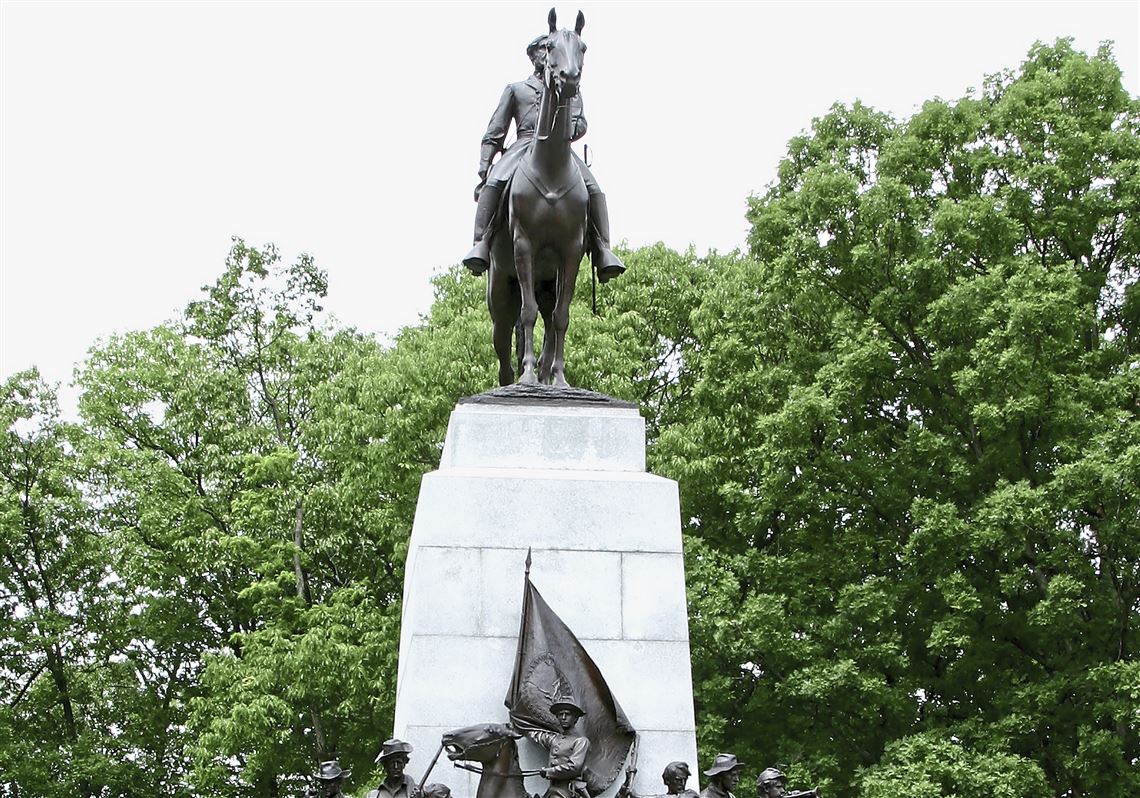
pixel 609 266
pixel 478 260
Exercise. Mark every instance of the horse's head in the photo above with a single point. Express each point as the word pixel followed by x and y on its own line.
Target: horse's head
pixel 565 52
pixel 479 743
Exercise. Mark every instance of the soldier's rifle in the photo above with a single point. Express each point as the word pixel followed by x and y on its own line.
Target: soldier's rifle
pixel 814 792
pixel 434 759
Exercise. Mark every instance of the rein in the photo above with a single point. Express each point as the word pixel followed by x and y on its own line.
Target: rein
pixel 553 121
pixel 483 772
pixel 547 88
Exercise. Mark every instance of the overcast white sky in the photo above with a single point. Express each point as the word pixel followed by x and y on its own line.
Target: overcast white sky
pixel 137 138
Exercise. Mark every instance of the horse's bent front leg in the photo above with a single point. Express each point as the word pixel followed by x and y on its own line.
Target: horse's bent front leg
pixel 567 279
pixel 528 313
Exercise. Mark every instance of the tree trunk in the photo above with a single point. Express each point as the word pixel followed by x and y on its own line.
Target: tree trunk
pixel 299 541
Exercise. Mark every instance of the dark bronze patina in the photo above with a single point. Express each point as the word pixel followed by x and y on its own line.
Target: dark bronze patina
pixel 330 781
pixel 552 205
pixel 771 783
pixel 566 767
pixel 675 776
pixel 493 746
pixel 724 775
pixel 520 104
pixel 393 757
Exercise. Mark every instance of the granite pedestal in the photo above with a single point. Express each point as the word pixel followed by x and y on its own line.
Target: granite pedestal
pixel 566 478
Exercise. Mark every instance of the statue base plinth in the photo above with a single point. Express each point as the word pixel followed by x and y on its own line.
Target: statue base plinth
pixel 565 478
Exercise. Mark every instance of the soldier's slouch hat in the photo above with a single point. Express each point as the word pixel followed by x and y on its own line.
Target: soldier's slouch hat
pixel 724 763
pixel 392 748
pixel 331 771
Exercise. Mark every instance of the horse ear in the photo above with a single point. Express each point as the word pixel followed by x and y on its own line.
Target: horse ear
pixel 552 20
pixel 579 23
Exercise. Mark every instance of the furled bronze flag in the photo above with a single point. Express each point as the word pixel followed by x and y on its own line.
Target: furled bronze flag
pixel 550 663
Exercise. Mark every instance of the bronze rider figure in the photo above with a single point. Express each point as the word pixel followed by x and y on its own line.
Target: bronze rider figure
pixel 519 103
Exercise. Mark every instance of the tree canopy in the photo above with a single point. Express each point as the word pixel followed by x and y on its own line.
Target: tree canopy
pixel 904 424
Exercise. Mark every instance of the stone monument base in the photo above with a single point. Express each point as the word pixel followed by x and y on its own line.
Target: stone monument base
pixel 561 473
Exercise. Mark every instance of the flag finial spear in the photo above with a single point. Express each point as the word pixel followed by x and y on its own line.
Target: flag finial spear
pixel 528 563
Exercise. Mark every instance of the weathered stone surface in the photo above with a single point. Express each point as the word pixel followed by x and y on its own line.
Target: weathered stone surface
pixel 543 435
pixel 606 541
pixel 517 508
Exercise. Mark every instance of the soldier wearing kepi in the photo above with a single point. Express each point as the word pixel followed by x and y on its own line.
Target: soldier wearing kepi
pixel 393 757
pixel 771 783
pixel 724 775
pixel 567 751
pixel 520 103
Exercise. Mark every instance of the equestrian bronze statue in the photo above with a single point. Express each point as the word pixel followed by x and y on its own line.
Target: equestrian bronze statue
pixel 540 210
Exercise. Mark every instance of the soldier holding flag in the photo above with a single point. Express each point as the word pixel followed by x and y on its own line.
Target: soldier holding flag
pixel 568 751
pixel 582 726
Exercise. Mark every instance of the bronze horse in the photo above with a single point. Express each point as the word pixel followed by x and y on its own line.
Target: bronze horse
pixel 493 746
pixel 535 257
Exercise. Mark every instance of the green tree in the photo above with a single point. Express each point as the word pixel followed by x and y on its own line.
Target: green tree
pixel 58 729
pixel 239 532
pixel 910 464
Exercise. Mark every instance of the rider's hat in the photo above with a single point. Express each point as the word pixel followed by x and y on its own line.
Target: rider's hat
pixel 724 763
pixel 538 41
pixel 675 767
pixel 331 771
pixel 393 747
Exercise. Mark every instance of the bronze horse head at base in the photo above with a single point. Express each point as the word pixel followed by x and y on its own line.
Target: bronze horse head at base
pixel 494 747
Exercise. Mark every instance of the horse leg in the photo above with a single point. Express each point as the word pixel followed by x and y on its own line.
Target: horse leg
pixel 567 278
pixel 528 314
pixel 545 300
pixel 503 302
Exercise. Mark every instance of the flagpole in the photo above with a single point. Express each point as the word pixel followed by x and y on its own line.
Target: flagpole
pixel 517 681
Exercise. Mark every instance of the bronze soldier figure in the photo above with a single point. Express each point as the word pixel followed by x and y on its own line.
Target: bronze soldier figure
pixel 519 103
pixel 393 757
pixel 675 776
pixel 331 777
pixel 567 751
pixel 771 783
pixel 724 775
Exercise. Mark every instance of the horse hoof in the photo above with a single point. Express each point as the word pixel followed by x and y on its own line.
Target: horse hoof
pixel 528 378
pixel 506 378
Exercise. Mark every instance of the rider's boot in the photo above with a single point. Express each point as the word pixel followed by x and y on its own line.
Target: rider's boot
pixel 605 261
pixel 478 260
